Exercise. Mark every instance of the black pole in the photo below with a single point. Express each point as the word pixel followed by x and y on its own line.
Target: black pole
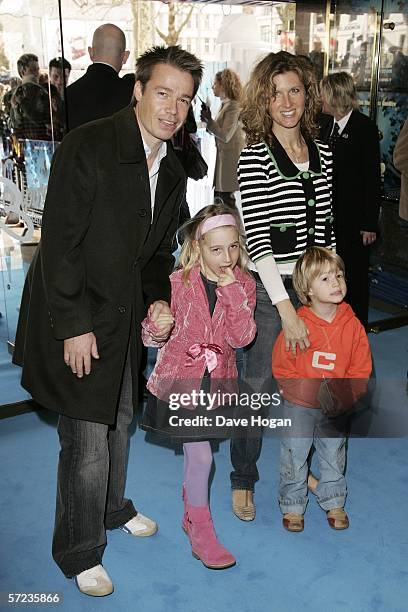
pixel 376 72
pixel 62 65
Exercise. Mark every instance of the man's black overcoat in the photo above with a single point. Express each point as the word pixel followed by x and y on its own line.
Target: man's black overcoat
pixel 100 261
pixel 99 93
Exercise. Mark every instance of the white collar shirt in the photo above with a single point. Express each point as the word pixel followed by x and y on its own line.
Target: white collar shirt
pixel 342 122
pixel 154 170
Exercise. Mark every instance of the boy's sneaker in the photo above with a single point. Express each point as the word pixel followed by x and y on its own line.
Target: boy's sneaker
pixel 140 526
pixel 293 521
pixel 94 581
pixel 337 518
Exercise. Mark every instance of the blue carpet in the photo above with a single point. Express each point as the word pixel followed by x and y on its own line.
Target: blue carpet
pixel 361 569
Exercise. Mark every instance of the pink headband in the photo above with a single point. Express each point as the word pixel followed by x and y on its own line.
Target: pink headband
pixel 213 222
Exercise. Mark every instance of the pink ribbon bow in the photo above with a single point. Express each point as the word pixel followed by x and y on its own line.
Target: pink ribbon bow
pixel 206 350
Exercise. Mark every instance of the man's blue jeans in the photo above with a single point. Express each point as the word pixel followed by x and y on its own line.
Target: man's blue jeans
pixel 91 484
pixel 257 378
pixel 310 427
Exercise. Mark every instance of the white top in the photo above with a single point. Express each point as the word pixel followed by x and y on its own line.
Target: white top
pixel 154 170
pixel 302 166
pixel 342 122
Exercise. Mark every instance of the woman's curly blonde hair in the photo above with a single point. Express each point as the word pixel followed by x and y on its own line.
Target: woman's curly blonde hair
pixel 260 89
pixel 231 84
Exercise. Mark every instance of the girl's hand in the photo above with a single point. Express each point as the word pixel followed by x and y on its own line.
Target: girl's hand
pixel 164 321
pixel 226 277
pixel 294 328
pixel 160 314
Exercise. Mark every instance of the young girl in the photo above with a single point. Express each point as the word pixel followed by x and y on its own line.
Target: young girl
pixel 213 299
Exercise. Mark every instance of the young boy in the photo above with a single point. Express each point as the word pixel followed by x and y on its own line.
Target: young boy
pixel 319 385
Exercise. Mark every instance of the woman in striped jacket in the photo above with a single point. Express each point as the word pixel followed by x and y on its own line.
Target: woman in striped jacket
pixel 285 179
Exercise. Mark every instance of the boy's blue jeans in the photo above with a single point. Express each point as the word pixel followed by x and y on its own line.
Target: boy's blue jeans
pixel 311 427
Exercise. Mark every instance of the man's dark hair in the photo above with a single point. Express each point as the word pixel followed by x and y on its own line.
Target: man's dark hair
pixel 59 63
pixel 174 56
pixel 24 62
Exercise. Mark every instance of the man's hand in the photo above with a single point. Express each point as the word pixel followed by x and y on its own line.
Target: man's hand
pixel 78 352
pixel 160 314
pixel 368 237
pixel 226 278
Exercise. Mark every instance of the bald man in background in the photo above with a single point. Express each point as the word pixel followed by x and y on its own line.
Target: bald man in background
pixel 101 92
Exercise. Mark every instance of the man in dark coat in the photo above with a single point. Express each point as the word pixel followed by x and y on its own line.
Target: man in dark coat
pixel 356 183
pixel 101 92
pixel 110 216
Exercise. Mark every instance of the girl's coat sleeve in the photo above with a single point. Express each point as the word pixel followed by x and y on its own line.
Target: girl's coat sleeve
pixel 238 301
pixel 149 328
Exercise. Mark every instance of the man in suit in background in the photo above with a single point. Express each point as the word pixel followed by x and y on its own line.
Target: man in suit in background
pixel 101 92
pixel 356 182
pixel 110 217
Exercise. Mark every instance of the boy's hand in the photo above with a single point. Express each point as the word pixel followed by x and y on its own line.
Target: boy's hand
pixel 226 278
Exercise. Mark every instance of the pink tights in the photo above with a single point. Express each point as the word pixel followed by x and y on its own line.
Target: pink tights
pixel 197 465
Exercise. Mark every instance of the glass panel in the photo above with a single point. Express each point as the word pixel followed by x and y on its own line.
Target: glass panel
pixel 32 122
pixel 311 33
pixel 353 43
pixel 393 86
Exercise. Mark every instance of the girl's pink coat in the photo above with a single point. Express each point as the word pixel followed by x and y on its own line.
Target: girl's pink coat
pixel 231 326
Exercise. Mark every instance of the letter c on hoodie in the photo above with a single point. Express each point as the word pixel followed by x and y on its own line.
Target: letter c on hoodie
pixel 316 363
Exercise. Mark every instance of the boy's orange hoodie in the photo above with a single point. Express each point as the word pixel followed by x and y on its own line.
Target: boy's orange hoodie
pixel 338 350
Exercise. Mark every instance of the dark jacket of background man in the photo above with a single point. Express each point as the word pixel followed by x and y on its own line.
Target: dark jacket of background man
pixel 356 186
pixel 97 94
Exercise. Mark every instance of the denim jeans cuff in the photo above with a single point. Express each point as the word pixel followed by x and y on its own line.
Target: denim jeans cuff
pixel 243 488
pixel 298 506
pixel 333 502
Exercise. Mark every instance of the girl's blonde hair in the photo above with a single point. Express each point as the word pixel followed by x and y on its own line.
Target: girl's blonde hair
pixel 231 84
pixel 261 89
pixel 190 255
pixel 340 92
pixel 308 267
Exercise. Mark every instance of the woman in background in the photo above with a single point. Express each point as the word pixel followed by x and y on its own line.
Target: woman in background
pixel 229 136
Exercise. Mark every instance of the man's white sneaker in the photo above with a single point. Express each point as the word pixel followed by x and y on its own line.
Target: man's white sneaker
pixel 140 526
pixel 94 581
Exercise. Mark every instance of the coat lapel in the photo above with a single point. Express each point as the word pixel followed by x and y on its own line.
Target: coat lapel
pixel 344 141
pixel 168 180
pixel 326 126
pixel 132 160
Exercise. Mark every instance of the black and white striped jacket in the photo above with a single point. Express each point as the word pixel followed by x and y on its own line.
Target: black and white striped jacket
pixel 284 209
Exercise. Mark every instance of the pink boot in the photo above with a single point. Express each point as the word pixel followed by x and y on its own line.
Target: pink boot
pixel 203 539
